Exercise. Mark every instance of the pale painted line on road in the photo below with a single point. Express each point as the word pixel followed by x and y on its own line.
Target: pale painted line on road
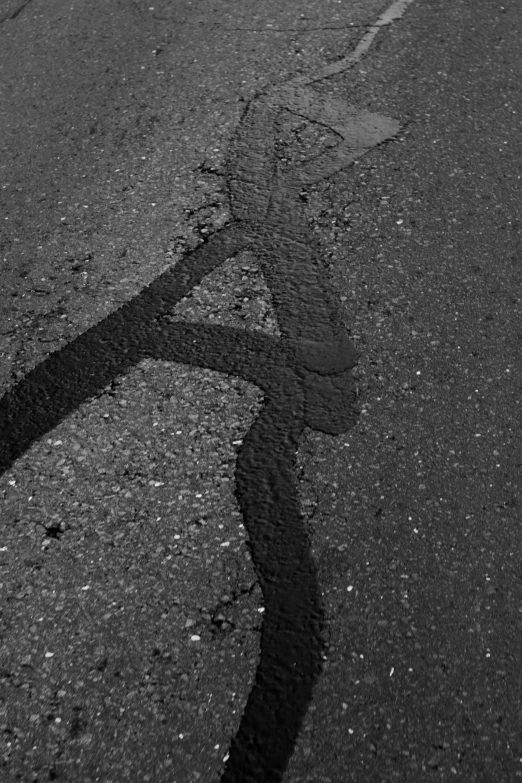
pixel 395 11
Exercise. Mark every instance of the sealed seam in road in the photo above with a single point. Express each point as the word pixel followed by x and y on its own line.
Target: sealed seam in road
pixel 305 376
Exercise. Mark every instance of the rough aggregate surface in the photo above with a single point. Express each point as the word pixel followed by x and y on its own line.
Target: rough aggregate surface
pixel 235 294
pixel 414 514
pixel 131 608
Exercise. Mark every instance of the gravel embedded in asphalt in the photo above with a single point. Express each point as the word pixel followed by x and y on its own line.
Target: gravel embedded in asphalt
pixel 235 294
pixel 131 606
pixel 415 513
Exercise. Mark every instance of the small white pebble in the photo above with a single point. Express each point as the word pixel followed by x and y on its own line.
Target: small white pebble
pixel 391 671
pixel 225 543
pixel 49 654
pixel 261 609
pixel 195 638
pixel 350 588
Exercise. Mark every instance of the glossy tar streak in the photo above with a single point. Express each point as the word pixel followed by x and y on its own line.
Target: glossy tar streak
pixel 305 376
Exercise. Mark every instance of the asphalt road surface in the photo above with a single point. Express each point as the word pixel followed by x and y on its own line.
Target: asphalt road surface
pixel 260 517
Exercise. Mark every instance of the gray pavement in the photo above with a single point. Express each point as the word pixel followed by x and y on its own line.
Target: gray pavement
pixel 415 515
pixel 131 605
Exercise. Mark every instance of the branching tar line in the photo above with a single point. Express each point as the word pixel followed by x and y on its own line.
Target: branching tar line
pixel 305 376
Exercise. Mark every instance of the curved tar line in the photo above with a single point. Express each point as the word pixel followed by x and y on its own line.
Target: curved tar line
pixel 305 377
pixel 315 390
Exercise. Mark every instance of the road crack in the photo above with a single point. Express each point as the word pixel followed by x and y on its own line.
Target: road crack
pixel 10 16
pixel 305 375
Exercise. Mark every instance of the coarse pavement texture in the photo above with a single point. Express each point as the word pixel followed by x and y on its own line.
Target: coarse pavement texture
pixel 115 126
pixel 413 515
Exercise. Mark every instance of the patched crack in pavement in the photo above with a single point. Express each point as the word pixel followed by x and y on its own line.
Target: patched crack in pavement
pixel 305 376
